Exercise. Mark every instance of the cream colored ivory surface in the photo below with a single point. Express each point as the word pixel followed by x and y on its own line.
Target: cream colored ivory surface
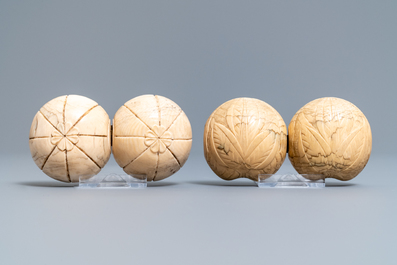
pixel 70 137
pixel 330 136
pixel 245 137
pixel 152 136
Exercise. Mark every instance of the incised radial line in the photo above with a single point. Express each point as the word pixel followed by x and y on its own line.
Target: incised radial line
pixel 91 135
pixel 157 166
pixel 129 136
pixel 45 161
pixel 49 121
pixel 63 111
pixel 177 160
pixel 39 137
pixel 136 157
pixel 86 155
pixel 138 118
pixel 67 165
pixel 82 116
pixel 174 120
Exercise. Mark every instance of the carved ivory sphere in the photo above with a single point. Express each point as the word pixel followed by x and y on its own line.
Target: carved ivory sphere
pixel 330 136
pixel 152 136
pixel 70 137
pixel 245 137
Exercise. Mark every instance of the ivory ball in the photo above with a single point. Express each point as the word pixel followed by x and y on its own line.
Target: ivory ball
pixel 245 137
pixel 152 136
pixel 70 137
pixel 330 136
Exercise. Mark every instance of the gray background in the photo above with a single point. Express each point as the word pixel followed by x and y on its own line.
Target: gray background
pixel 199 54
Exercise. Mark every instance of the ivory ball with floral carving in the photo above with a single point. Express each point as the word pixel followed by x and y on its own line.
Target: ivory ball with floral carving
pixel 330 136
pixel 70 138
pixel 245 137
pixel 151 135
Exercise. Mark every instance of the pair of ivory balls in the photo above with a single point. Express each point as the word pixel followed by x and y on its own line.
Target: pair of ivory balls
pixel 71 137
pixel 245 137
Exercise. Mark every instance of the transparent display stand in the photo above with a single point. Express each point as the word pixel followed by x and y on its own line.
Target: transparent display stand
pixel 113 181
pixel 291 181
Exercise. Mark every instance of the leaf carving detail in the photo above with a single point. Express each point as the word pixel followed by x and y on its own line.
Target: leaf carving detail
pixel 330 136
pixel 311 136
pixel 227 145
pixel 245 141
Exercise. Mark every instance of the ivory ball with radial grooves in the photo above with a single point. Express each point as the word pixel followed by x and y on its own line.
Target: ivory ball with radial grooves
pixel 70 137
pixel 330 136
pixel 152 136
pixel 245 137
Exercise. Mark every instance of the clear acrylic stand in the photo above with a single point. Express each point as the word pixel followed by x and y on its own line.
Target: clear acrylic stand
pixel 113 181
pixel 291 181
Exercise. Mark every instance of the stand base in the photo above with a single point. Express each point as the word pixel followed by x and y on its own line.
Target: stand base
pixel 291 181
pixel 113 181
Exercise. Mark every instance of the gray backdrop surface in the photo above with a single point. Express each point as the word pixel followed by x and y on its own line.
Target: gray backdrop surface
pixel 199 54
